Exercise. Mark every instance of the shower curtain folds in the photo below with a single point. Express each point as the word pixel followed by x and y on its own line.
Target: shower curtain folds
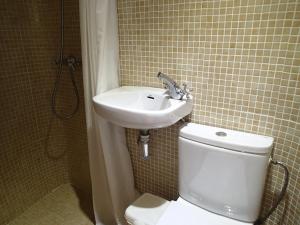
pixel 110 165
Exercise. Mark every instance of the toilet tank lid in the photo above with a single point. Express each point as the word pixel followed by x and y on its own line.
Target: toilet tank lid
pixel 229 139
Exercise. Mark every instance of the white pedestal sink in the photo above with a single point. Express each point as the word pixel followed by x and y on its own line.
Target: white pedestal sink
pixel 141 107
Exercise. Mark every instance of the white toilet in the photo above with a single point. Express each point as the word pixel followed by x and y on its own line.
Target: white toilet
pixel 221 180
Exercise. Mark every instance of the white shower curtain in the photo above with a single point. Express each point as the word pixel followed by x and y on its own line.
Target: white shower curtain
pixel 110 165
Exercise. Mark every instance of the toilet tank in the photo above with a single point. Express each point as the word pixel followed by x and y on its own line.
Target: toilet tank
pixel 223 171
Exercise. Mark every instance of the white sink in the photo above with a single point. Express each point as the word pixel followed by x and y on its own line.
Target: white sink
pixel 141 107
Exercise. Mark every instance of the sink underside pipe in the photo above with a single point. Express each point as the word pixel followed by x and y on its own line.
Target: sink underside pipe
pixel 144 143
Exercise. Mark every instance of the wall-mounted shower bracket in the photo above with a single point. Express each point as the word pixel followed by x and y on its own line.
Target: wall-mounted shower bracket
pixel 71 61
pixel 144 143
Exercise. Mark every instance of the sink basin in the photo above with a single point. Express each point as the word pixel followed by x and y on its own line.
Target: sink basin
pixel 141 107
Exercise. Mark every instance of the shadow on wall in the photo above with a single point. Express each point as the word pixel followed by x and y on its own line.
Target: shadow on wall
pixel 85 203
pixel 49 154
pixel 57 153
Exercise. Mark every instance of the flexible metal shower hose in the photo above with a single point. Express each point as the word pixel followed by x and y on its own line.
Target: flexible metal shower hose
pixel 59 75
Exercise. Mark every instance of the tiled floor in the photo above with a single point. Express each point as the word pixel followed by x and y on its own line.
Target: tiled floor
pixel 60 207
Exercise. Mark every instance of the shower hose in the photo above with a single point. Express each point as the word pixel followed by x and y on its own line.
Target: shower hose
pixel 62 115
pixel 71 63
pixel 263 219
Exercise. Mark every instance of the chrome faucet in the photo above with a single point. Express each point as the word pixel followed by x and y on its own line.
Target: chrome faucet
pixel 175 91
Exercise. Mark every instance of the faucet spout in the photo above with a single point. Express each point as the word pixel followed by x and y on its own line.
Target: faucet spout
pixel 174 90
pixel 166 79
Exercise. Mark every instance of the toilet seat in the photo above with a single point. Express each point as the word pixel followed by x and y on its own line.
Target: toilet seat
pixel 181 212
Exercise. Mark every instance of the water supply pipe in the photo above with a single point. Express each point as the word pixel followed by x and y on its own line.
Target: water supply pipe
pixel 144 143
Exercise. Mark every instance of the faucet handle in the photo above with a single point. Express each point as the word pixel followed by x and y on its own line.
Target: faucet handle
pixel 187 89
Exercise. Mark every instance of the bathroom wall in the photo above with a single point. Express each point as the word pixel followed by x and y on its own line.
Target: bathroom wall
pixel 242 59
pixel 38 152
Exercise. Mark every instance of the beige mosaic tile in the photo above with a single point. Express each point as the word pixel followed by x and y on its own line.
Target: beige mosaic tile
pixel 37 151
pixel 61 206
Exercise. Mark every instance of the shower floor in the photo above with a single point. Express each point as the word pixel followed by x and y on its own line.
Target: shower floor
pixel 60 207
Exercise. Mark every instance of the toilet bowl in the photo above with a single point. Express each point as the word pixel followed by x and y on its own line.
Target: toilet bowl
pixel 153 210
pixel 146 210
pixel 221 180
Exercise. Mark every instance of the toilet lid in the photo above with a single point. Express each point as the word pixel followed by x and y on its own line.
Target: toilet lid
pixel 182 212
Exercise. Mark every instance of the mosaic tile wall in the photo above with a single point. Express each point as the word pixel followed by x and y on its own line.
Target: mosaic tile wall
pixel 37 151
pixel 242 59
